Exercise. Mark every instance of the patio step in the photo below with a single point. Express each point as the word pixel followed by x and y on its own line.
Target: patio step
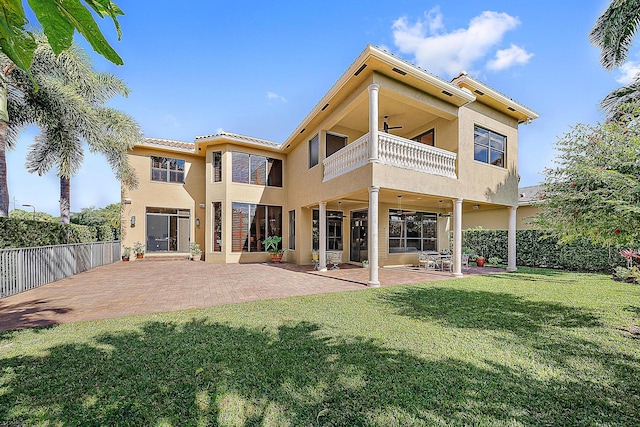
pixel 163 257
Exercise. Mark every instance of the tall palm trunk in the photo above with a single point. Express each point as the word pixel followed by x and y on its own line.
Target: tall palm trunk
pixel 4 188
pixel 65 199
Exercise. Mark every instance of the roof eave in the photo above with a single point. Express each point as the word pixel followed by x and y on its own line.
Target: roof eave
pixel 370 52
pixel 516 107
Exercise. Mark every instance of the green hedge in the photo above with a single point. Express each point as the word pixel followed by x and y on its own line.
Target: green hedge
pixel 17 233
pixel 536 250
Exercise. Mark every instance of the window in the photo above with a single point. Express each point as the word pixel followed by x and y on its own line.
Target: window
pixel 167 170
pixel 314 146
pixel 427 138
pixel 292 230
pixel 412 233
pixel 334 230
pixel 217 166
pixel 274 173
pixel 334 143
pixel 488 146
pixel 217 226
pixel 251 224
pixel 258 170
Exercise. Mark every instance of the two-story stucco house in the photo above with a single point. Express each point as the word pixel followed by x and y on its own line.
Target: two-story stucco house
pixel 384 166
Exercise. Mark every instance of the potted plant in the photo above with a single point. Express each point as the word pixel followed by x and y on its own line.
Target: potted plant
pixel 271 245
pixel 480 260
pixel 365 263
pixel 196 253
pixel 126 253
pixel 138 249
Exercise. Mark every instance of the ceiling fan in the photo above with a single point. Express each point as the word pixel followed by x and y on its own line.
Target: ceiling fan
pixel 386 127
pixel 335 216
pixel 400 211
pixel 443 215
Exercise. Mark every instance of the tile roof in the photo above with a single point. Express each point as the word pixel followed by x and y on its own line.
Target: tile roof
pixel 529 195
pixel 244 138
pixel 170 143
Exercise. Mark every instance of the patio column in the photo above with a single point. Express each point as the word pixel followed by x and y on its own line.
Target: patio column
pixel 322 239
pixel 373 122
pixel 511 263
pixel 457 238
pixel 373 237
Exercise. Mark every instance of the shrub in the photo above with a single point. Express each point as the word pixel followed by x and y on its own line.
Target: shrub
pixel 534 249
pixel 18 233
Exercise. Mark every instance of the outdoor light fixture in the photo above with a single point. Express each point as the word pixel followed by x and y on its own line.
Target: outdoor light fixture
pixel 133 221
pixel 202 205
pixel 197 222
pixel 126 201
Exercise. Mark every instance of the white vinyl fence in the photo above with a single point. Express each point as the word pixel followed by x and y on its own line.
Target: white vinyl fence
pixel 22 269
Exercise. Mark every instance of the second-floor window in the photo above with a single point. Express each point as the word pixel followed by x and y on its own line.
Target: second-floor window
pixel 334 143
pixel 167 170
pixel 427 138
pixel 489 147
pixel 217 166
pixel 258 170
pixel 314 151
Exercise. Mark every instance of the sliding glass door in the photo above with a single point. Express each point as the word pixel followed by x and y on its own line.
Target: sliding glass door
pixel 168 230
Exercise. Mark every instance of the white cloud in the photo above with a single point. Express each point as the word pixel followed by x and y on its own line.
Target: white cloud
pixel 172 120
pixel 505 58
pixel 450 52
pixel 629 72
pixel 272 96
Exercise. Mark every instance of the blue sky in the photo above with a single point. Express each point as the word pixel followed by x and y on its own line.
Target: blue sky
pixel 257 68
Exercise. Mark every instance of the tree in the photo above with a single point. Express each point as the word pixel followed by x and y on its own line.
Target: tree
pixel 92 216
pixel 27 215
pixel 59 20
pixel 68 107
pixel 613 34
pixel 594 192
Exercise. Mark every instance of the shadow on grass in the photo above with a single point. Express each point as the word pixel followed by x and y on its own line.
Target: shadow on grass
pixel 202 373
pixel 485 310
pixel 28 314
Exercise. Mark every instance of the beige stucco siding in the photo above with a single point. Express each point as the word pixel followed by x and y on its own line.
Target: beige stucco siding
pixel 483 182
pixel 186 196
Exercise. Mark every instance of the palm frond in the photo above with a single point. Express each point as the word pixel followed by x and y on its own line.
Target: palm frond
pixel 615 30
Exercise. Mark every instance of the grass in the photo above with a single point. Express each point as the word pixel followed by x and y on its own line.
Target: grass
pixel 536 347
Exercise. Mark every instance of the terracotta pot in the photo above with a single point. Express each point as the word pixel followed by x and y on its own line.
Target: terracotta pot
pixel 276 257
pixel 125 258
pixel 139 256
pixel 480 261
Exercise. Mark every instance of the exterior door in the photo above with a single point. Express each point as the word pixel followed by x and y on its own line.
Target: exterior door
pixel 359 237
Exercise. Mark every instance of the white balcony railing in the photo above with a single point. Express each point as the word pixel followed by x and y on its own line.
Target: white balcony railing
pixel 394 151
pixel 349 158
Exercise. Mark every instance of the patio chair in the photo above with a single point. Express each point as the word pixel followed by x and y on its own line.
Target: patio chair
pixel 445 261
pixel 428 260
pixel 334 258
pixel 465 260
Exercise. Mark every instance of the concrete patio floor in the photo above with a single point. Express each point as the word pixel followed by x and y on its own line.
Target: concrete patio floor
pixel 151 286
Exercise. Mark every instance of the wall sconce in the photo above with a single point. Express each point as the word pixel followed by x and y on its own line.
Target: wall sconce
pixel 197 222
pixel 133 221
pixel 202 205
pixel 126 201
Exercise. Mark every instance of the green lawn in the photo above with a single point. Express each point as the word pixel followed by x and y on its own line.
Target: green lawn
pixel 535 347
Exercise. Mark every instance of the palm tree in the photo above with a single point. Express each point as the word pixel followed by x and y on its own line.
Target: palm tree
pixel 613 33
pixel 68 107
